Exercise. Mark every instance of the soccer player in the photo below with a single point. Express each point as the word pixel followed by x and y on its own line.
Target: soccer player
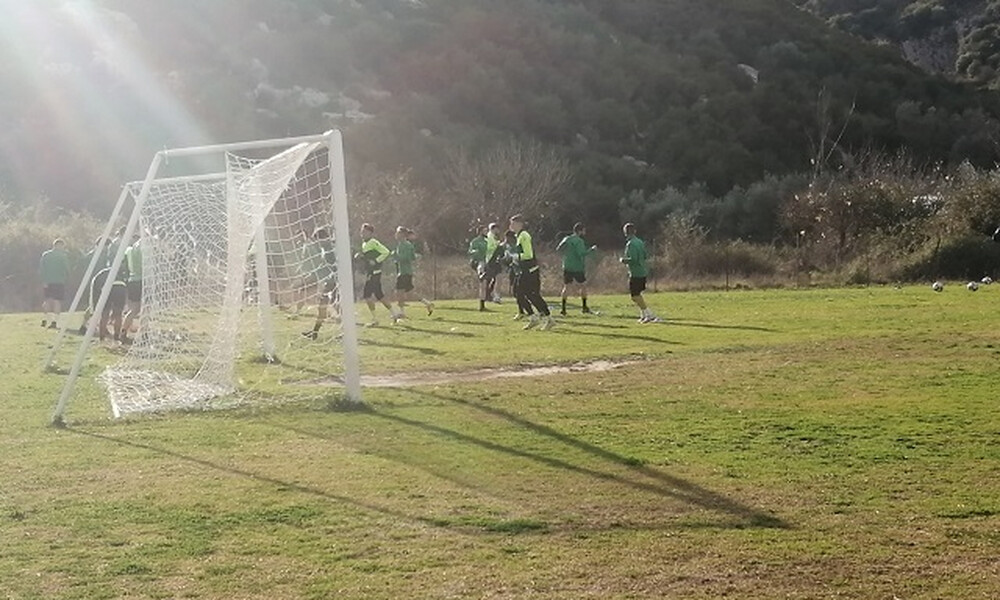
pixel 513 271
pixel 575 251
pixel 405 255
pixel 374 253
pixel 494 252
pixel 115 305
pixel 101 250
pixel 477 260
pixel 133 258
pixel 321 264
pixel 529 283
pixel 53 268
pixel 635 259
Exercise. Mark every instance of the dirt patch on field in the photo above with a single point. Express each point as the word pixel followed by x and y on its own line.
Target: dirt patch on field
pixel 444 377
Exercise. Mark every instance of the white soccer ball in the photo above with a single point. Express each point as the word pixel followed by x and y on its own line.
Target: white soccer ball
pixel 987 280
pixel 937 286
pixel 972 285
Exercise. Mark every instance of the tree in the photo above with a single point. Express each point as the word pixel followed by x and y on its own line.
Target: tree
pixel 508 178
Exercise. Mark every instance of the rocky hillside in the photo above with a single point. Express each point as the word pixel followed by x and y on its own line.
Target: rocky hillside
pixel 956 37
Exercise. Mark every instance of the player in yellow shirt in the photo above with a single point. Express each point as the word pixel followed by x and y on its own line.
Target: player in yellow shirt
pixel 373 254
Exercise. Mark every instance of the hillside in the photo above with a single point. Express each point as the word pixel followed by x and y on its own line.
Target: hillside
pixel 960 38
pixel 638 96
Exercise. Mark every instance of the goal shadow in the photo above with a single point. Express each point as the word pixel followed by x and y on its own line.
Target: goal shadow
pixel 641 477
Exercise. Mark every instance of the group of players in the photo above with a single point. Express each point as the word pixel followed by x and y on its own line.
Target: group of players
pixel 489 254
pixel 373 256
pixel 124 300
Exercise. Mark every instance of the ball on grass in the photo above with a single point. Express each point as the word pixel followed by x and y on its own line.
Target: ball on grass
pixel 937 286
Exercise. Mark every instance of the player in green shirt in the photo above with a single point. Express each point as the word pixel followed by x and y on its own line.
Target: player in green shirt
pixel 101 250
pixel 528 287
pixel 53 269
pixel 405 255
pixel 373 254
pixel 113 306
pixel 494 252
pixel 575 251
pixel 133 286
pixel 320 265
pixel 478 254
pixel 635 259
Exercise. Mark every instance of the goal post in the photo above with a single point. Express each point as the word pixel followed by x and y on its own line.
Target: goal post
pixel 270 234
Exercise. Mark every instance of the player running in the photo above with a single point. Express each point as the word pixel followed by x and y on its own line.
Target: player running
pixel 321 264
pixel 494 252
pixel 405 255
pixel 635 259
pixel 478 250
pixel 574 250
pixel 528 287
pixel 373 254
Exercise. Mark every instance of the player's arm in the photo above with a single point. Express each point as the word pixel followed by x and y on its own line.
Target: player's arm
pixel 379 252
pixel 630 254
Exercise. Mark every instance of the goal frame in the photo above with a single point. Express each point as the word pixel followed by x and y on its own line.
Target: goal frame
pixel 333 141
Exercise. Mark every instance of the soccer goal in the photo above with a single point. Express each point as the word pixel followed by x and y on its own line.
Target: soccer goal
pixel 230 267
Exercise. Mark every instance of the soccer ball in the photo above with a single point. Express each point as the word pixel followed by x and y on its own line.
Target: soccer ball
pixel 987 280
pixel 937 286
pixel 972 285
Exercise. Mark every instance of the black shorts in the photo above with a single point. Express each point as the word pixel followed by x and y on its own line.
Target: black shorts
pixel 373 287
pixel 636 286
pixel 574 276
pixel 491 271
pixel 404 283
pixel 116 300
pixel 116 297
pixel 529 282
pixel 54 291
pixel 134 291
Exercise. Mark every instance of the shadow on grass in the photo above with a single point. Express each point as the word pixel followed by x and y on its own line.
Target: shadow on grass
pixel 416 329
pixel 702 324
pixel 690 323
pixel 461 322
pixel 572 320
pixel 420 349
pixel 659 483
pixel 740 516
pixel 605 335
pixel 470 308
pixel 279 483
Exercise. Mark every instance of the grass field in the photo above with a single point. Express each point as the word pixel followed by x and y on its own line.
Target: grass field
pixel 766 444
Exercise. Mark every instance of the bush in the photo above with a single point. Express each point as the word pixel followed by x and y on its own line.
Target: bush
pixel 962 258
pixel 23 238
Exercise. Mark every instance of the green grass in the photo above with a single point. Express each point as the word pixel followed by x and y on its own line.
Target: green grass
pixel 776 444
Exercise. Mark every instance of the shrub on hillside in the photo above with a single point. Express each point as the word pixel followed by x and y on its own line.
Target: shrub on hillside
pixel 23 238
pixel 969 257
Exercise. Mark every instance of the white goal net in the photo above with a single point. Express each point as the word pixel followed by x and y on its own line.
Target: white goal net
pixel 238 278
